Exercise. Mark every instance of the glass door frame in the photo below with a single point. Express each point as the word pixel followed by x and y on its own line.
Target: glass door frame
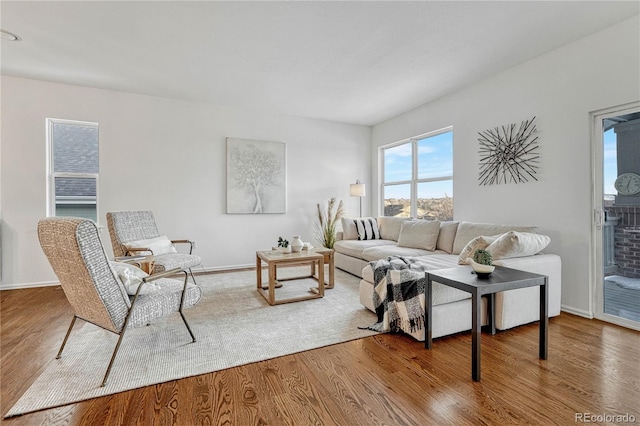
pixel 598 217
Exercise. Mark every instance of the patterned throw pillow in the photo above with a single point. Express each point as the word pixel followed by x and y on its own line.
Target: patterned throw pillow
pixel 481 242
pixel 367 228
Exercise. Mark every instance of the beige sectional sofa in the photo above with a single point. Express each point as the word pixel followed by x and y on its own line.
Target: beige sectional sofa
pixel 438 245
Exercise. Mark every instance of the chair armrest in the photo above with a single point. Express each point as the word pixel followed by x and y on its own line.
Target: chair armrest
pixel 129 259
pixel 185 242
pixel 138 249
pixel 159 275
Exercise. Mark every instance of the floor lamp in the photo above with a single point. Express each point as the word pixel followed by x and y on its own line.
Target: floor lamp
pixel 357 190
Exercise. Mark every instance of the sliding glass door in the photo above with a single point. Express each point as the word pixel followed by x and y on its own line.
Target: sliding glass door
pixel 617 215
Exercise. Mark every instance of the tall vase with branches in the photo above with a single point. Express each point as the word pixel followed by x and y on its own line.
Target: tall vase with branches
pixel 327 221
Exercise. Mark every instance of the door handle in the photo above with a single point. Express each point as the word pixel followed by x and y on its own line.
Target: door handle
pixel 599 217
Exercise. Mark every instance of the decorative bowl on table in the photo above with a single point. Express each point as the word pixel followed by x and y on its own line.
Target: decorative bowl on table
pixel 482 271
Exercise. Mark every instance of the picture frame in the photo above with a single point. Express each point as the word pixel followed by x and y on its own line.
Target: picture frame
pixel 256 177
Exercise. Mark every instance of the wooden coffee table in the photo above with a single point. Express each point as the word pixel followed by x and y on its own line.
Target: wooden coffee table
pixel 275 258
pixel 328 260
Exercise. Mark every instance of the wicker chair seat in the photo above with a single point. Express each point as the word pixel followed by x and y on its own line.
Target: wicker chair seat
pixel 165 262
pixel 162 303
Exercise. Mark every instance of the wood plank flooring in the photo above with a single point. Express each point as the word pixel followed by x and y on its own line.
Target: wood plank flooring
pixel 593 368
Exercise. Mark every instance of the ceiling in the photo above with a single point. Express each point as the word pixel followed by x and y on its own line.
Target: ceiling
pixel 357 62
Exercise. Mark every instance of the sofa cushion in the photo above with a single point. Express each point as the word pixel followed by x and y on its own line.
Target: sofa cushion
pixel 446 236
pixel 517 244
pixel 390 227
pixel 467 231
pixel 355 247
pixel 381 252
pixel 420 234
pixel 439 260
pixel 481 242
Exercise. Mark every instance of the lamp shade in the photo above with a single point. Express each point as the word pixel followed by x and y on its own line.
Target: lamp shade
pixel 357 189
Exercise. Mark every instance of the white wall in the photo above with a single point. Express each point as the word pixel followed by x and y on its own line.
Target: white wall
pixel 168 156
pixel 560 89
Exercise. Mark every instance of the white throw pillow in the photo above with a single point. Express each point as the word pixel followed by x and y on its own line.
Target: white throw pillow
pixel 390 227
pixel 517 244
pixel 158 245
pixel 420 234
pixel 367 228
pixel 131 276
pixel 349 231
pixel 446 236
pixel 477 243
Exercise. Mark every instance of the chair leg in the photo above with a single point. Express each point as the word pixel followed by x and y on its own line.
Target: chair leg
pixel 64 342
pixel 113 358
pixel 193 338
pixel 192 277
pixel 122 331
pixel 184 291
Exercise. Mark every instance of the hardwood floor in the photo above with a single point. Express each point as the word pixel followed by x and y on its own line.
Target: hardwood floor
pixel 593 368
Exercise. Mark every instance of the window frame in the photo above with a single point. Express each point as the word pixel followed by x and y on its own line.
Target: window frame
pixel 51 175
pixel 414 181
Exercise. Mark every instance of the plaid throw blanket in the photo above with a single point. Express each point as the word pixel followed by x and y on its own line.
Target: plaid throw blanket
pixel 398 294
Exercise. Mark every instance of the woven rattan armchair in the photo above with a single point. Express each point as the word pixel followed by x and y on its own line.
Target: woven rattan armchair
pixel 128 227
pixel 95 291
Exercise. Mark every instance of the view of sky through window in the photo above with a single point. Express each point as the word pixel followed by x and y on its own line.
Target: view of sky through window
pixel 397 163
pixel 418 178
pixel 610 162
pixel 435 159
pixel 435 156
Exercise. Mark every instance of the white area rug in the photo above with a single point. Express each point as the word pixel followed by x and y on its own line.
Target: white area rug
pixel 233 325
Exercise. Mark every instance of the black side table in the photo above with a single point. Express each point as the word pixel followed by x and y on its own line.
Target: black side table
pixel 502 279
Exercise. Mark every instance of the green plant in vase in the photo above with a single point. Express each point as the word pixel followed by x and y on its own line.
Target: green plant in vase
pixel 282 242
pixel 482 263
pixel 327 221
pixel 482 257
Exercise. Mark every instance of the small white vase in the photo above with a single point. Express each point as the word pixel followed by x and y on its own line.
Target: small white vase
pixel 286 249
pixel 481 270
pixel 296 244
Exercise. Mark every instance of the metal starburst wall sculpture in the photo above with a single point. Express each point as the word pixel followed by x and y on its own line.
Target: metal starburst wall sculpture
pixel 507 155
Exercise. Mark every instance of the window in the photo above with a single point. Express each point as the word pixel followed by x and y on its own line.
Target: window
pixel 418 177
pixel 72 159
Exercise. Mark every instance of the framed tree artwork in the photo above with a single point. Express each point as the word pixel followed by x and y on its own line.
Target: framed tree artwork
pixel 256 177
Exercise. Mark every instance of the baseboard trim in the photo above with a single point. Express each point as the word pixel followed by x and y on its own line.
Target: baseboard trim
pixel 196 271
pixel 575 311
pixel 231 268
pixel 28 285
